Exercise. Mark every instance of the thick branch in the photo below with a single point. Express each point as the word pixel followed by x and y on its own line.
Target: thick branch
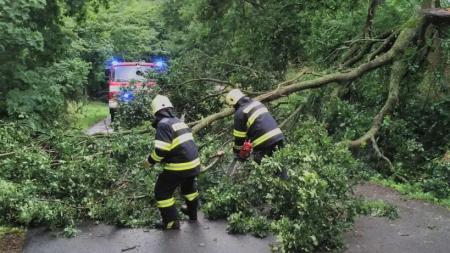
pixel 365 49
pixel 382 156
pixel 437 16
pixel 398 71
pixel 399 46
pixel 347 55
pixel 387 42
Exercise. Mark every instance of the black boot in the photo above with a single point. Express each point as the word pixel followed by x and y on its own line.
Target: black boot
pixel 190 209
pixel 169 218
pixel 191 213
pixel 170 225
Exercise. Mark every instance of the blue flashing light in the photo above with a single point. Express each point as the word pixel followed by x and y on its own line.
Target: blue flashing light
pixel 126 96
pixel 113 61
pixel 161 63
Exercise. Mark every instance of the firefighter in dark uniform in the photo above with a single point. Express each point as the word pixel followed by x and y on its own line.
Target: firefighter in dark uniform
pixel 175 147
pixel 253 122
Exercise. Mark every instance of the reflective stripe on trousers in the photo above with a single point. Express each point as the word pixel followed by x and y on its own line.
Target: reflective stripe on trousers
pixel 166 203
pixel 183 166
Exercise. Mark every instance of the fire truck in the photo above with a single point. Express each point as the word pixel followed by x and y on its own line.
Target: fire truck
pixel 121 75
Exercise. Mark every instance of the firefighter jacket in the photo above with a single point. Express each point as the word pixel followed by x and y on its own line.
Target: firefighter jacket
pixel 174 146
pixel 253 121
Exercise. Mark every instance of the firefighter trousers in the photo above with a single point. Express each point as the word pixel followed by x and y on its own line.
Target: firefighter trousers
pixel 165 187
pixel 268 151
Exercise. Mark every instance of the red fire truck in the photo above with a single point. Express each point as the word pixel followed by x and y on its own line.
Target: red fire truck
pixel 121 75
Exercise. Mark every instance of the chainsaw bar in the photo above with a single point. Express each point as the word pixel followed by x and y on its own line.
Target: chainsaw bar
pixel 232 167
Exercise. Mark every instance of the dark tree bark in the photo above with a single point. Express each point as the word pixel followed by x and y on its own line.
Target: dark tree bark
pixel 370 16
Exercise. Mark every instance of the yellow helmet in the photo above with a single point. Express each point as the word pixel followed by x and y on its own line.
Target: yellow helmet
pixel 233 96
pixel 159 103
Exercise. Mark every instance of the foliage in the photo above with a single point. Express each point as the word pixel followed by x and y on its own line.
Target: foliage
pixel 438 181
pixel 10 230
pixel 58 179
pixel 87 114
pixel 38 71
pixel 257 225
pixel 378 208
pixel 309 210
pixel 412 190
pixel 137 112
pixel 47 92
pixel 130 31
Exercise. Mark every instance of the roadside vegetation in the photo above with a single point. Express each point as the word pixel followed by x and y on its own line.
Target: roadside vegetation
pixel 413 191
pixel 359 88
pixel 87 114
pixel 11 239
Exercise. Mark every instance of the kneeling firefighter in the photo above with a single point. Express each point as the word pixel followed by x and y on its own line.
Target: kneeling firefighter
pixel 175 147
pixel 254 128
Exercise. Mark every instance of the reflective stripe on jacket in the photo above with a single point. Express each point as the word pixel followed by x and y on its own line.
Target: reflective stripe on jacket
pixel 174 146
pixel 253 121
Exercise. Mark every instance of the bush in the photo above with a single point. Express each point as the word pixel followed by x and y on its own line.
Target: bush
pixel 136 112
pixel 438 183
pixel 308 211
pixel 59 178
pixel 48 90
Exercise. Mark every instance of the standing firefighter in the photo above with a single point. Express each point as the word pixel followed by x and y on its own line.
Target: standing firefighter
pixel 175 147
pixel 253 124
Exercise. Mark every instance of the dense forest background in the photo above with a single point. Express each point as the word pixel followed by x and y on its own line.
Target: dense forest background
pixel 362 89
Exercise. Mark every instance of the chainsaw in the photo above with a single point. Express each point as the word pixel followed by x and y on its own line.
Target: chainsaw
pixel 244 154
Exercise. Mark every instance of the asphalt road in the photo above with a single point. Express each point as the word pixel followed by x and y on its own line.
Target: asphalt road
pixel 101 127
pixel 201 237
pixel 421 228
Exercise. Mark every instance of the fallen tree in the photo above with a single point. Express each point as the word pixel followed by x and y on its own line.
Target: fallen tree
pixel 402 42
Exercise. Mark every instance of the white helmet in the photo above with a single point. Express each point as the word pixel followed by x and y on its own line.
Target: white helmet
pixel 233 96
pixel 159 103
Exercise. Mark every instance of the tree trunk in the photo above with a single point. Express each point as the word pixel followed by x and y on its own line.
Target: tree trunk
pixel 370 16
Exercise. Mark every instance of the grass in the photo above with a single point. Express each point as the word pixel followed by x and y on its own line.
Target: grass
pixel 11 239
pixel 86 115
pixel 378 208
pixel 11 230
pixel 412 191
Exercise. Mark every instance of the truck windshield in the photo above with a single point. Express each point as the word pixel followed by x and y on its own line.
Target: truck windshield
pixel 128 73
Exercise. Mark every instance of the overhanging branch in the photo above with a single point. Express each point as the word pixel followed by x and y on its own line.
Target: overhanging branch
pixel 398 71
pixel 399 46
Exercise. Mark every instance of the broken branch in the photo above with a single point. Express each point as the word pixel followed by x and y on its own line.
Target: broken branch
pixel 399 69
pixel 399 46
pixel 382 156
